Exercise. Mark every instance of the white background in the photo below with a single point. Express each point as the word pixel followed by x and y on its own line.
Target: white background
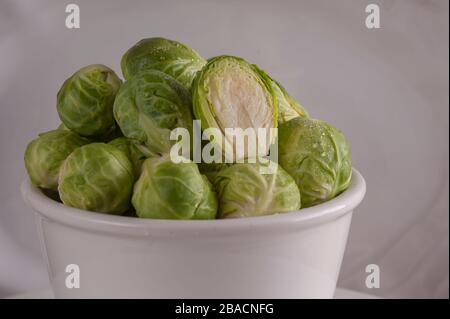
pixel 386 89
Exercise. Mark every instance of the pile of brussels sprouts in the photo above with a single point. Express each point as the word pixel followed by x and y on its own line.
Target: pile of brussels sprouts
pixel 110 154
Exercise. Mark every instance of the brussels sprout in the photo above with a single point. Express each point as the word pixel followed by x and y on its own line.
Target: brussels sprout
pixel 171 57
pixel 149 106
pixel 244 192
pixel 62 127
pixel 85 100
pixel 229 93
pixel 288 108
pixel 112 133
pixel 131 150
pixel 210 170
pixel 166 190
pixel 45 154
pixel 317 156
pixel 97 177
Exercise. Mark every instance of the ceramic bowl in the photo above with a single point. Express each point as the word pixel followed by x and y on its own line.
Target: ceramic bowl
pixel 290 255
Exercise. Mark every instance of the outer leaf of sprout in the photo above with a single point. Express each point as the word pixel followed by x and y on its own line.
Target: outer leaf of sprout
pixel 132 152
pixel 288 108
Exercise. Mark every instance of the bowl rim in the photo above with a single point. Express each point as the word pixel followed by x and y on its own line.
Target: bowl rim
pixel 129 226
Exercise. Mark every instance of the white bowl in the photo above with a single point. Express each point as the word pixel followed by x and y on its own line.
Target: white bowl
pixel 290 255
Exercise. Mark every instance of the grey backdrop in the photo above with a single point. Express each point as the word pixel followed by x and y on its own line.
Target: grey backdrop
pixel 387 89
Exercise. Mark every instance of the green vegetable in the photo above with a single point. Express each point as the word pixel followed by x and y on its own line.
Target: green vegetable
pixel 149 106
pixel 229 93
pixel 131 151
pixel 97 177
pixel 210 170
pixel 45 154
pixel 170 57
pixel 62 127
pixel 243 191
pixel 288 108
pixel 113 152
pixel 166 190
pixel 112 133
pixel 85 100
pixel 317 156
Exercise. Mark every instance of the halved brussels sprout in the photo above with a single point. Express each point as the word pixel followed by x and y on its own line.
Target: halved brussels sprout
pixel 97 177
pixel 171 57
pixel 227 94
pixel 85 100
pixel 132 151
pixel 149 106
pixel 45 154
pixel 317 156
pixel 288 108
pixel 166 190
pixel 244 192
